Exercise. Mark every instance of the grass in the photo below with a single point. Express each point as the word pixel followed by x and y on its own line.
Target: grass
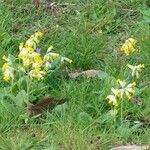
pixel 92 39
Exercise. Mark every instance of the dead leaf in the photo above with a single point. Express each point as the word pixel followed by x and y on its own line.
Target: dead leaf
pixel 48 103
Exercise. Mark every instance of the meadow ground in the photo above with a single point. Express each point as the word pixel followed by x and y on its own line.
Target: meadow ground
pixel 91 33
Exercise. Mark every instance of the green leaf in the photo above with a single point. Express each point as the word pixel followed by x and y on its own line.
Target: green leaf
pixel 60 108
pixel 55 63
pixel 21 98
pixel 84 118
pixel 12 58
pixel 103 75
pixel 146 15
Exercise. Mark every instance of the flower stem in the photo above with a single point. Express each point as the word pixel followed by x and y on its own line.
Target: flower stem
pixel 29 81
pixel 114 117
pixel 121 111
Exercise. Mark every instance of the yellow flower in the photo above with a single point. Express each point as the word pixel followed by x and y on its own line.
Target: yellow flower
pixel 31 42
pixel 7 69
pixel 5 58
pixel 129 97
pixel 121 82
pixel 37 73
pixel 129 46
pixel 133 84
pixel 142 65
pixel 21 46
pixel 39 34
pixel 23 53
pixel 27 62
pixel 136 69
pixel 132 41
pixel 8 75
pixel 37 58
pixel 116 92
pixel 7 72
pixel 30 49
pixel 51 56
pixel 35 39
pixel 5 66
pixel 47 65
pixel 25 56
pixel 66 59
pixel 126 89
pixel 36 65
pixel 50 48
pixel 112 99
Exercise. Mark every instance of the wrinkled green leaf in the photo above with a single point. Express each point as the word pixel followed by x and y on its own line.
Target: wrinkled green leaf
pixel 21 98
pixel 103 75
pixel 84 118
pixel 60 108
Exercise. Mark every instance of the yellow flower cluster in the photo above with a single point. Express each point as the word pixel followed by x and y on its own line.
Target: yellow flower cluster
pixel 51 56
pixel 125 90
pixel 27 51
pixel 33 63
pixel 37 73
pixel 31 58
pixel 136 69
pixel 7 69
pixel 129 46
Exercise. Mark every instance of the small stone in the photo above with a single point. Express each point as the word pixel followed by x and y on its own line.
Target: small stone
pixel 88 74
pixel 131 147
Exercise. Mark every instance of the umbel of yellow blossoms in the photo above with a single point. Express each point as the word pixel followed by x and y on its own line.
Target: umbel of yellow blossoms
pixel 129 46
pixel 136 69
pixel 126 89
pixel 37 73
pixel 33 40
pixel 113 99
pixel 31 61
pixel 52 56
pixel 7 69
pixel 27 51
pixel 29 57
pixel 37 60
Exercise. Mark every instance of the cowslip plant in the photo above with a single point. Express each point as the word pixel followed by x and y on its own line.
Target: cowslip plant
pixel 28 69
pixel 136 69
pixel 125 88
pixel 129 46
